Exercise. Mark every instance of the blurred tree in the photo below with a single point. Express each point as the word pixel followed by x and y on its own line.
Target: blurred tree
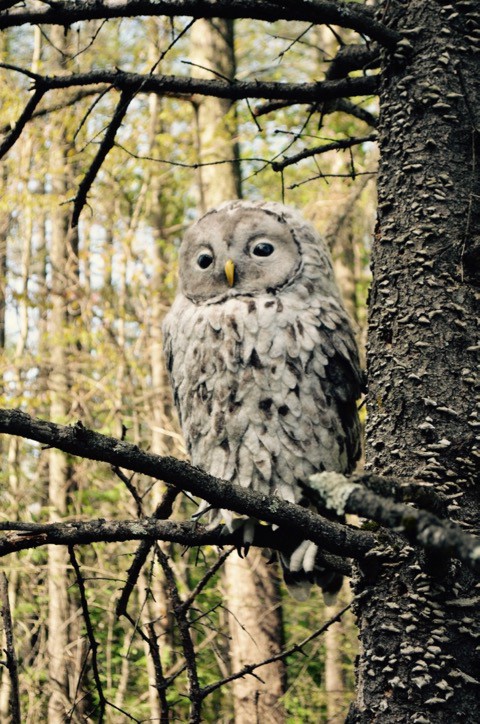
pixel 251 586
pixel 416 596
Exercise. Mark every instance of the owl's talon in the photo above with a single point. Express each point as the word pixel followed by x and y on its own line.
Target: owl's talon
pixel 243 550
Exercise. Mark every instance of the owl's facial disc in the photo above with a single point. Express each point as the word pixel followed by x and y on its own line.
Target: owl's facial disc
pixel 245 251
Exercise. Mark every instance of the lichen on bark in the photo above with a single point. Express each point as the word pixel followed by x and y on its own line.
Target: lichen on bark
pixel 418 641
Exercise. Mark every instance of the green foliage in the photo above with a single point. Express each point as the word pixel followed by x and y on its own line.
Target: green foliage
pixel 121 281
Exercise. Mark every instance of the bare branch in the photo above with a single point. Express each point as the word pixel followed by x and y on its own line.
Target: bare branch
pixel 346 15
pixel 60 105
pixel 340 104
pixel 22 121
pixel 78 440
pixel 93 645
pixel 179 86
pixel 422 494
pixel 353 57
pixel 162 512
pixel 12 665
pixel 325 176
pixel 105 146
pixel 160 681
pixel 421 527
pixel 23 536
pixel 347 59
pixel 334 146
pixel 208 575
pixel 353 109
pixel 296 648
pixel 425 529
pixel 180 611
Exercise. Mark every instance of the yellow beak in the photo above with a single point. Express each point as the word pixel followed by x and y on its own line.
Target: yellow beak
pixel 230 272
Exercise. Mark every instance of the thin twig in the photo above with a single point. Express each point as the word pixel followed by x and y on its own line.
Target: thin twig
pixel 105 146
pixel 339 145
pixel 11 663
pixel 127 481
pixel 22 121
pixel 180 614
pixel 160 680
pixel 163 511
pixel 296 648
pixel 208 575
pixel 93 645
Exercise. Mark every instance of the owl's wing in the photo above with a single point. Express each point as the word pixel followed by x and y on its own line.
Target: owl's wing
pixel 174 349
pixel 336 365
pixel 346 380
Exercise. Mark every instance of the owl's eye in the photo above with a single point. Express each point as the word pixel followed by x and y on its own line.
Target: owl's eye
pixel 204 260
pixel 263 248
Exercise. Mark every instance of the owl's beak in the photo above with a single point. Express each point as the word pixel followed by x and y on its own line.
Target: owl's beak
pixel 230 272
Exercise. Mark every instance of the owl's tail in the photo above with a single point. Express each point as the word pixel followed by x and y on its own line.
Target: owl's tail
pixel 301 571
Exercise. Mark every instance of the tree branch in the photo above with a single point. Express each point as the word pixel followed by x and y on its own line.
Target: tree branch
pixel 180 611
pixel 105 146
pixel 163 511
pixel 90 632
pixel 346 15
pixel 353 57
pixel 296 648
pixel 22 121
pixel 21 536
pixel 425 529
pixel 180 86
pixel 309 152
pixel 11 663
pixel 78 440
pixel 61 105
pixel 337 492
pixel 161 682
pixel 422 494
pixel 339 104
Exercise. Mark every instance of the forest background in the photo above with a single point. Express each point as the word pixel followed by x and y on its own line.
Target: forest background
pixel 105 337
pixel 94 199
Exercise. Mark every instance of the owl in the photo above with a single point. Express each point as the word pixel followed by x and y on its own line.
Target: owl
pixel 263 362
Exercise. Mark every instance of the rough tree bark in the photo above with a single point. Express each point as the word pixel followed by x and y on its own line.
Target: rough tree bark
pixel 418 616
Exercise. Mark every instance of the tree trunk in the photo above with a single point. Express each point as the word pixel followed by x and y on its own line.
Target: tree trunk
pixel 255 621
pixel 61 261
pixel 334 675
pixel 212 49
pixel 418 615
pixel 252 586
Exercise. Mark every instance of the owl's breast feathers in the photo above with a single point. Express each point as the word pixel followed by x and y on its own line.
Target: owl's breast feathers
pixel 266 387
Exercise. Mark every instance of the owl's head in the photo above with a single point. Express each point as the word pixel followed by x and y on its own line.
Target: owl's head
pixel 245 247
pixel 239 248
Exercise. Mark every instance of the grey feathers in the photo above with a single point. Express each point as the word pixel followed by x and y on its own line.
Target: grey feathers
pixel 261 353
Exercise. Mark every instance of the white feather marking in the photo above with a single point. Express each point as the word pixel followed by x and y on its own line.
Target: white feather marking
pixel 264 342
pixel 267 313
pixel 309 557
pixel 296 559
pixel 278 347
